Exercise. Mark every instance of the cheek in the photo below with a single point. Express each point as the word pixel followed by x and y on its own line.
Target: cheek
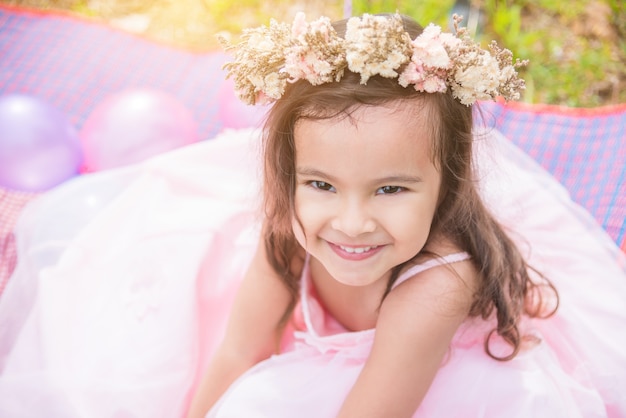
pixel 300 222
pixel 310 210
pixel 311 216
pixel 298 232
pixel 411 223
pixel 411 237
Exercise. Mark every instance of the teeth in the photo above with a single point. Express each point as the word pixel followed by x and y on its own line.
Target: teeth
pixel 356 250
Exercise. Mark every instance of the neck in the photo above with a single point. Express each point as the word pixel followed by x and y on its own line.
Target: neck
pixel 355 307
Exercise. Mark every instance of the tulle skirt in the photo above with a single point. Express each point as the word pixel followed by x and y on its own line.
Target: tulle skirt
pixel 125 279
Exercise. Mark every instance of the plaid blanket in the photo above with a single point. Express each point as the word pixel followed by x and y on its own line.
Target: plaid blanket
pixel 74 64
pixel 585 149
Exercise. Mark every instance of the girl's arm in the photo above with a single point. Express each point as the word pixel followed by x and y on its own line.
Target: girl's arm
pixel 251 333
pixel 415 326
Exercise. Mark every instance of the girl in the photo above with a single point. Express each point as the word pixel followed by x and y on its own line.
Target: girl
pixel 378 283
pixel 372 215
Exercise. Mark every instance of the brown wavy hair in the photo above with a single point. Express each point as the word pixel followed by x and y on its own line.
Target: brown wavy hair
pixel 505 286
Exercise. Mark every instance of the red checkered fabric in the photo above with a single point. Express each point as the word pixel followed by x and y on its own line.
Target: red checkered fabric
pixel 11 204
pixel 585 149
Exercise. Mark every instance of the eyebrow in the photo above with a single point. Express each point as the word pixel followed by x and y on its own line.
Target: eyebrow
pixel 390 179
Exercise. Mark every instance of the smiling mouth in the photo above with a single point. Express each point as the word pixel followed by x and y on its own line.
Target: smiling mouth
pixel 356 253
pixel 357 250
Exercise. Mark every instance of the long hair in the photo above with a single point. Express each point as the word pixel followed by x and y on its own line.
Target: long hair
pixel 505 285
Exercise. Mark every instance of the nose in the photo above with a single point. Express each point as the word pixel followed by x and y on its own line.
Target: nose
pixel 353 218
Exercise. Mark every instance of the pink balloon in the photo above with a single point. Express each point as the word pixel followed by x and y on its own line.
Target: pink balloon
pixel 39 147
pixel 133 125
pixel 235 114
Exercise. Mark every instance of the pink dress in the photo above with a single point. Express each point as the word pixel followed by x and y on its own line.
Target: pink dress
pixel 125 280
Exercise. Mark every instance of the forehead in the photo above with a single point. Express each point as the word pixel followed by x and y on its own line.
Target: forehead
pixel 371 137
pixel 414 110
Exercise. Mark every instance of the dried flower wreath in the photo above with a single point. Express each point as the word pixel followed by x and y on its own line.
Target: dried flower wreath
pixel 268 58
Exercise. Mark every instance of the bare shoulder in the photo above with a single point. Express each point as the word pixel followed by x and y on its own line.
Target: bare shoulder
pixel 444 289
pixel 452 281
pixel 415 326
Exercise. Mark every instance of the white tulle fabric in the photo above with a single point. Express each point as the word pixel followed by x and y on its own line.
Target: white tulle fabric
pixel 125 280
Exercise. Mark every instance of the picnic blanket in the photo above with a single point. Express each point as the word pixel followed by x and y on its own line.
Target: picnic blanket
pixel 74 64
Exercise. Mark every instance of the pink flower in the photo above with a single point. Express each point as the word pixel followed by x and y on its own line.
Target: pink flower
pixel 299 26
pixel 434 84
pixel 429 48
pixel 263 99
pixel 321 26
pixel 412 74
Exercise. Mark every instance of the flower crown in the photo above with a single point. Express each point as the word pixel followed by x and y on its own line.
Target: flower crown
pixel 268 58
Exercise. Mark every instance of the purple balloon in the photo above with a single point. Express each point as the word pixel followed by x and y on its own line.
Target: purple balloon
pixel 133 125
pixel 39 147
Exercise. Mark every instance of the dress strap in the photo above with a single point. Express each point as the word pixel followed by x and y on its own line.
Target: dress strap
pixel 434 262
pixel 305 279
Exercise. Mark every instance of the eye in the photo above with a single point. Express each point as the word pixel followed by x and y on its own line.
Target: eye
pixel 322 185
pixel 390 190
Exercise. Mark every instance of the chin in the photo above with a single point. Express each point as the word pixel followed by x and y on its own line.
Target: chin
pixel 355 280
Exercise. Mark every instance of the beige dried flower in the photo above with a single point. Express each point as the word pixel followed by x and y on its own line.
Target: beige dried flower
pixel 268 58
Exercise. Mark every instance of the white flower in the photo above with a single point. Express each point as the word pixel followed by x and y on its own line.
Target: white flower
pixel 376 45
pixel 274 86
pixel 507 73
pixel 256 80
pixel 260 43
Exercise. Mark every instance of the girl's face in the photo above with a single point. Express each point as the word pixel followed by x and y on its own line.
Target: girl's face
pixel 366 190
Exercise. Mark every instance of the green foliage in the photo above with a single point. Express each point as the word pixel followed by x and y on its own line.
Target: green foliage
pixel 240 12
pixel 569 63
pixel 82 7
pixel 566 67
pixel 235 16
pixel 424 12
